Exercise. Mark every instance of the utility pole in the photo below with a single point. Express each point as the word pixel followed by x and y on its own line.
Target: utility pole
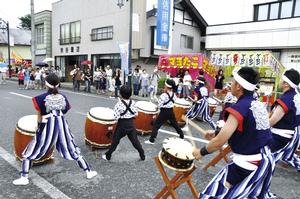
pixel 32 34
pixel 130 44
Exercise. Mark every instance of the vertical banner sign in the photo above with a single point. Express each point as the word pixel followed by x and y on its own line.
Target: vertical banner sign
pixel 124 57
pixel 163 23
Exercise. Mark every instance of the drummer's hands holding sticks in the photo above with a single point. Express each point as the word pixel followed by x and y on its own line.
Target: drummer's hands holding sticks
pixel 209 134
pixel 197 154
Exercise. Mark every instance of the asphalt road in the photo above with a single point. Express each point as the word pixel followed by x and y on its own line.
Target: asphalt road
pixel 123 177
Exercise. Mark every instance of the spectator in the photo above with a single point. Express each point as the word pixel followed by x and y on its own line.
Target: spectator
pixel 144 83
pixel 97 80
pixel 118 82
pixel 32 80
pixel 21 78
pixel 109 74
pixel 187 79
pixel 78 78
pixel 136 81
pixel 38 75
pixel 26 78
pixel 103 80
pixel 73 75
pixel 219 83
pixel 153 84
pixel 87 80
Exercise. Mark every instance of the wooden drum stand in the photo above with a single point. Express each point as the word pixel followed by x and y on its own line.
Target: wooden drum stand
pixel 175 182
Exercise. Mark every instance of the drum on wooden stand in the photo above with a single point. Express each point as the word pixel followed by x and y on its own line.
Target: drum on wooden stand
pixel 212 103
pixel 24 132
pixel 147 113
pixel 99 127
pixel 177 154
pixel 181 106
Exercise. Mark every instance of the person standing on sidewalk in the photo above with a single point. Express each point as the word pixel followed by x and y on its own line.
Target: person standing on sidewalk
pixel 73 75
pixel 109 74
pixel 136 81
pixel 118 82
pixel 87 80
pixel 145 83
pixel 153 85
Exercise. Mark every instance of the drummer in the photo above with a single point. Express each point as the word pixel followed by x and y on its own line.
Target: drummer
pixel 166 103
pixel 53 130
pixel 125 111
pixel 285 120
pixel 200 108
pixel 247 131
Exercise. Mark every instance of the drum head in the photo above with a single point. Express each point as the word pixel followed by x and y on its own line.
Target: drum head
pixel 146 106
pixel 182 102
pixel 179 148
pixel 28 123
pixel 212 101
pixel 102 113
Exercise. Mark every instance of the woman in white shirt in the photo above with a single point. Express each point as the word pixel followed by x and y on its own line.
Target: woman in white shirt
pixel 187 79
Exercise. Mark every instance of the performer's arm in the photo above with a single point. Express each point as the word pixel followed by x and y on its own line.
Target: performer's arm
pixel 277 114
pixel 217 142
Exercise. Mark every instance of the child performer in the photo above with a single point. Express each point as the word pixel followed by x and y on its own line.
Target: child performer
pixel 53 130
pixel 200 108
pixel 124 112
pixel 166 103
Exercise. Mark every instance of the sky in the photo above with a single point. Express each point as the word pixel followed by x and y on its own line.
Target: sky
pixel 207 8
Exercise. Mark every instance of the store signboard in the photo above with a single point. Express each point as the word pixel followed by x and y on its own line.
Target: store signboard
pixel 163 23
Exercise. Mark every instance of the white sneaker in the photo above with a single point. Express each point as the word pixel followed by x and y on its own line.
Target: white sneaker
pixel 21 181
pixel 91 174
pixel 148 142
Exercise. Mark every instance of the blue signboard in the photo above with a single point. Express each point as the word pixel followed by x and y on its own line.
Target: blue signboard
pixel 163 23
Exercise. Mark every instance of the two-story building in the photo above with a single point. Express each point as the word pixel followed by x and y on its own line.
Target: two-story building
pixel 268 25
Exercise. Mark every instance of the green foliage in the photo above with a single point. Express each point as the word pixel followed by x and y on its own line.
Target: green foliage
pixel 25 22
pixel 161 82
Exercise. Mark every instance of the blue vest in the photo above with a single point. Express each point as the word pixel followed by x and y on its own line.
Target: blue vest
pixel 290 120
pixel 249 137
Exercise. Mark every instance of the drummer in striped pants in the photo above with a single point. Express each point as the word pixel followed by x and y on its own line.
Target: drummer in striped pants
pixel 201 108
pixel 53 130
pixel 165 103
pixel 285 120
pixel 247 130
pixel 125 111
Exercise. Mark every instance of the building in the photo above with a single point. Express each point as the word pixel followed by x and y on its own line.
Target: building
pixel 187 33
pixel 43 34
pixel 268 25
pixel 19 46
pixel 93 31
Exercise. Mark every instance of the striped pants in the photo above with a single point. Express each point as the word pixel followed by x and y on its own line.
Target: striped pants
pixel 200 108
pixel 287 153
pixel 255 185
pixel 54 132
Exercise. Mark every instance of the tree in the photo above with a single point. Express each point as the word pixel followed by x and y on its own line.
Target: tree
pixel 25 22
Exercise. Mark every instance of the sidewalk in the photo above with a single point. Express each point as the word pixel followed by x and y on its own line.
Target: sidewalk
pixel 69 86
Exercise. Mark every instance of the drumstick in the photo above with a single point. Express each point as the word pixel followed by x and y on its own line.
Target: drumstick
pixel 193 124
pixel 218 100
pixel 189 133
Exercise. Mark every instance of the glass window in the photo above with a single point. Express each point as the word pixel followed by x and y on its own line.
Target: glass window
pixel 286 9
pixel 75 32
pixel 102 33
pixel 40 34
pixel 297 9
pixel 178 16
pixel 186 42
pixel 65 33
pixel 262 12
pixel 274 8
pixel 188 22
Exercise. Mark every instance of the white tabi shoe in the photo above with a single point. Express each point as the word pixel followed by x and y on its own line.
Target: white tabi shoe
pixel 91 174
pixel 21 181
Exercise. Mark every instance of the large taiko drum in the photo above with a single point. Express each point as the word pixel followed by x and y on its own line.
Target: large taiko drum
pixel 99 127
pixel 181 106
pixel 147 113
pixel 24 132
pixel 177 154
pixel 212 103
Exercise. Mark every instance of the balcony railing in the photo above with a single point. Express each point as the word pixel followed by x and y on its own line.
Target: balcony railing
pixel 72 40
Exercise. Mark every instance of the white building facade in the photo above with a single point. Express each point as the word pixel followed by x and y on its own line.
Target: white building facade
pixel 269 25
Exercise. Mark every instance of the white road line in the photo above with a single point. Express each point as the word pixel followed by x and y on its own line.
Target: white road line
pixel 18 94
pixel 37 180
pixel 80 113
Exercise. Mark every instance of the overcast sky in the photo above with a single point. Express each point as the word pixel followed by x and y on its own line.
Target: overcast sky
pixel 213 11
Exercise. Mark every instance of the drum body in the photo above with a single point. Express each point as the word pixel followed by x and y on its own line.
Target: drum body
pixel 24 132
pixel 147 113
pixel 181 106
pixel 177 154
pixel 212 103
pixel 99 127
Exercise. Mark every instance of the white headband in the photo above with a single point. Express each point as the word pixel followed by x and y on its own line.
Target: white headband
pixel 50 86
pixel 287 80
pixel 244 83
pixel 168 85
